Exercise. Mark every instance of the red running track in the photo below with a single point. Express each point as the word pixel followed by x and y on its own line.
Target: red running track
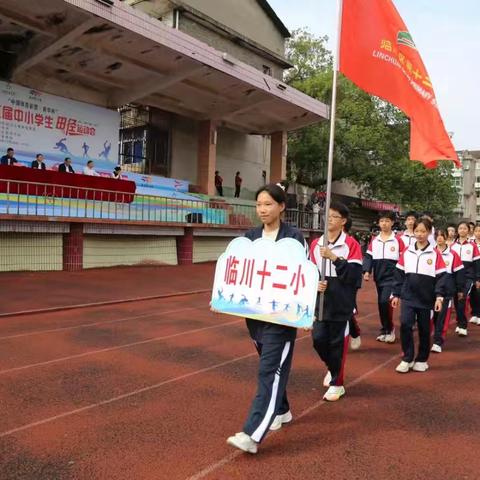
pixel 151 390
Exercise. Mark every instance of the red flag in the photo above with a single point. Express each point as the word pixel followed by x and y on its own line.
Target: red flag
pixel 378 54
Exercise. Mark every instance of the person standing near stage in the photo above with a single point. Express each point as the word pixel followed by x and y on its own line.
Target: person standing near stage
pixel 274 343
pixel 219 183
pixel 381 258
pixel 454 287
pixel 470 256
pixel 343 275
pixel 238 184
pixel 420 285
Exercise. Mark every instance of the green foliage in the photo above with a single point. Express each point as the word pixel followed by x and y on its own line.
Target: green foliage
pixel 371 141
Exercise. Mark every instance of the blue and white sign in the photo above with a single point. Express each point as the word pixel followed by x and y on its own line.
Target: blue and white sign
pixel 35 122
pixel 266 280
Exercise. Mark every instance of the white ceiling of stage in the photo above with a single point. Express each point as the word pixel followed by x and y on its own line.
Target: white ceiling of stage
pixel 114 55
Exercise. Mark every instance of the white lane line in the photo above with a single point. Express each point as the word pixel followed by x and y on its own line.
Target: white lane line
pixel 82 325
pixel 117 347
pixel 232 456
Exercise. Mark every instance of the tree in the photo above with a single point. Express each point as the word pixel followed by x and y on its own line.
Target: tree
pixel 371 141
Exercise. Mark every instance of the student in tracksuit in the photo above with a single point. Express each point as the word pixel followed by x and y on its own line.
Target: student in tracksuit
pixel 475 293
pixel 420 284
pixel 381 258
pixel 353 324
pixel 274 343
pixel 408 237
pixel 454 286
pixel 470 256
pixel 342 276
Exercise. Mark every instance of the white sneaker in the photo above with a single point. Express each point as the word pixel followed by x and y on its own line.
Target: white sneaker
pixel 243 442
pixel 462 332
pixel 420 367
pixel 334 393
pixel 474 320
pixel 355 343
pixel 390 337
pixel 280 420
pixel 327 379
pixel 381 338
pixel 457 329
pixel 436 348
pixel 404 367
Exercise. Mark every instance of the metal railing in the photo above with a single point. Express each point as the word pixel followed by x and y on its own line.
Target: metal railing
pixel 50 200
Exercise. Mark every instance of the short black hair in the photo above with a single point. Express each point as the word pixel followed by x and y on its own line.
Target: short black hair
pixel 39 155
pixel 341 208
pixel 348 225
pixel 117 168
pixel 426 222
pixel 471 223
pixel 10 149
pixel 411 213
pixel 67 158
pixel 275 191
pixel 387 214
pixel 89 162
pixel 238 173
pixel 216 172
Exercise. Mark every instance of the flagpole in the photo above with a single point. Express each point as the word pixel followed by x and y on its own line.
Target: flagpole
pixel 333 112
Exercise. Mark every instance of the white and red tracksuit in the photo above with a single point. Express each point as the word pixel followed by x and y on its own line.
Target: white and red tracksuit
pixel 470 256
pixel 454 284
pixel 330 336
pixel 419 279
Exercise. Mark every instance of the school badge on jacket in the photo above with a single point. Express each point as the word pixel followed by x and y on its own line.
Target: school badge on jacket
pixel 266 280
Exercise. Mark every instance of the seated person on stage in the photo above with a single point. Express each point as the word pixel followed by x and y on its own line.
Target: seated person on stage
pixel 117 172
pixel 9 158
pixel 39 162
pixel 66 166
pixel 89 170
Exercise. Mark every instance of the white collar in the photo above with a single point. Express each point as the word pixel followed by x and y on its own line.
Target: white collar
pixel 428 248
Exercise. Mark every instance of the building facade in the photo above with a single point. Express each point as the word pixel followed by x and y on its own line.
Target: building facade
pixel 163 143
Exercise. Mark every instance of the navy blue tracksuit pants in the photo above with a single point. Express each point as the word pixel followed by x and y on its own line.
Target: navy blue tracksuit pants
pixel 330 340
pixel 271 398
pixel 410 315
pixel 441 321
pixel 385 310
pixel 461 305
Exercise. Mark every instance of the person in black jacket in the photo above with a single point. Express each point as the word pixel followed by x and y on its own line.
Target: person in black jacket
pixel 454 287
pixel 39 162
pixel 343 275
pixel 381 258
pixel 274 343
pixel 420 283
pixel 9 158
pixel 66 166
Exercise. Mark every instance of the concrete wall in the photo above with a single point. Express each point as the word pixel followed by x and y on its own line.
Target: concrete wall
pixel 245 17
pixel 31 251
pixel 249 154
pixel 220 42
pixel 184 149
pixel 115 250
pixel 236 151
pixel 207 249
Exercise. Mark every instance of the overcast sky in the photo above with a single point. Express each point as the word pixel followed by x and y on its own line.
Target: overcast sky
pixel 447 35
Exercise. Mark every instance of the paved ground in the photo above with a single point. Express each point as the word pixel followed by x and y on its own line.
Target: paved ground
pixel 31 291
pixel 151 390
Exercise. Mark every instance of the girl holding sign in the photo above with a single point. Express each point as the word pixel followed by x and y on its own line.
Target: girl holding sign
pixel 274 343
